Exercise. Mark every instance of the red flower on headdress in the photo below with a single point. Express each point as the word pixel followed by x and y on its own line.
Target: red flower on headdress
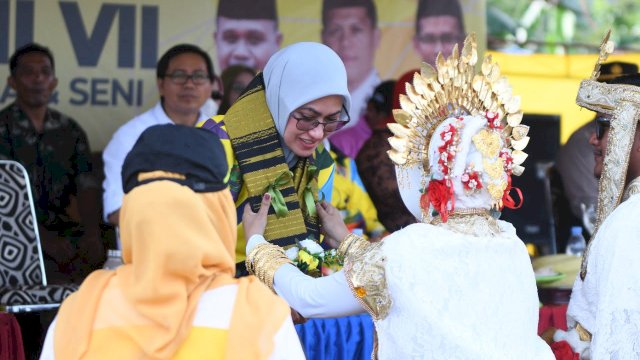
pixel 505 154
pixel 471 180
pixel 438 195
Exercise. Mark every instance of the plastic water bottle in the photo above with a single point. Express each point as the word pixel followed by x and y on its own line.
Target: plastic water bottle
pixel 114 259
pixel 576 242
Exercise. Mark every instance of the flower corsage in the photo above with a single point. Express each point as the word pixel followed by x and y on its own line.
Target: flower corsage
pixel 312 259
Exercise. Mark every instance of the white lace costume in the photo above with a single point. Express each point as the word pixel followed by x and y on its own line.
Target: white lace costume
pixel 604 310
pixel 452 287
pixel 607 302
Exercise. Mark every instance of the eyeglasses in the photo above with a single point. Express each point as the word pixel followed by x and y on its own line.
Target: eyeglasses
pixel 181 77
pixel 602 125
pixel 305 123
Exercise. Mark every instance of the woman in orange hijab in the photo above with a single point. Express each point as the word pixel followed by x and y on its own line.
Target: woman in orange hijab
pixel 175 296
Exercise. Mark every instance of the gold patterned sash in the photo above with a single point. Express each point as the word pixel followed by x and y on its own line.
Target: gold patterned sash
pixel 256 145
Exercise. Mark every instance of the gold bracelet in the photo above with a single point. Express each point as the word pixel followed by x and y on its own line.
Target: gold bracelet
pixel 248 261
pixel 264 260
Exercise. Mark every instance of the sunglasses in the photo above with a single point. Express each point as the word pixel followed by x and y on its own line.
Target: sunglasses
pixel 602 125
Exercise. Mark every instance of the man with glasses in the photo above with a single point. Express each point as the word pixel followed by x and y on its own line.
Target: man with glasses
pixel 439 26
pixel 185 82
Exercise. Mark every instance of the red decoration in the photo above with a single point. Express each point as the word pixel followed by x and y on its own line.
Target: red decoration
pixel 471 180
pixel 438 194
pixel 505 154
pixel 493 121
pixel 507 200
pixel 562 351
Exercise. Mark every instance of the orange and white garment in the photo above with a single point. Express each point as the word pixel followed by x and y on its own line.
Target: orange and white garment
pixel 178 252
pixel 208 335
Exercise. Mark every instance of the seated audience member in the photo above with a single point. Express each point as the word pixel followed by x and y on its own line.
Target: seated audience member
pixel 185 82
pixel 55 151
pixel 376 170
pixel 175 296
pixel 604 310
pixel 234 79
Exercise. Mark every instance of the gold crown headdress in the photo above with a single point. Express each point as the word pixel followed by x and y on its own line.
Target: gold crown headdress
pixel 622 103
pixel 455 90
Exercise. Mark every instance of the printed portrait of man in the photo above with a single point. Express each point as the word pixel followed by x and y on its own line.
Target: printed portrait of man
pixel 350 28
pixel 439 26
pixel 246 33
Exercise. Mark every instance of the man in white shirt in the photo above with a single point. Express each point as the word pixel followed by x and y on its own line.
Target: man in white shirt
pixel 185 82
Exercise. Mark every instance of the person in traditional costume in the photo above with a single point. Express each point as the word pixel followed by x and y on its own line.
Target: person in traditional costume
pixel 175 297
pixel 458 285
pixel 273 137
pixel 604 311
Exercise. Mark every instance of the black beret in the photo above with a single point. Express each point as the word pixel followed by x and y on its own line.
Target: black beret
pixel 195 153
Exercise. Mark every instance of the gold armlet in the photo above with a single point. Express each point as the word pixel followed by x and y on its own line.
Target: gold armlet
pixel 350 243
pixel 264 260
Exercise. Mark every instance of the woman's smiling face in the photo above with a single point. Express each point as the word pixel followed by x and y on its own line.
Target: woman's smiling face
pixel 304 143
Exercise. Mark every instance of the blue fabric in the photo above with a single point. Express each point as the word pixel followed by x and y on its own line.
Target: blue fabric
pixel 355 176
pixel 345 338
pixel 326 191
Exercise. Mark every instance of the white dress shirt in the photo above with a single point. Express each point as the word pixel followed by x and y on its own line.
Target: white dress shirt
pixel 118 148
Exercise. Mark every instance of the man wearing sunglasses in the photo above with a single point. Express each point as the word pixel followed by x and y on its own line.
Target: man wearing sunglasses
pixel 604 312
pixel 598 140
pixel 576 186
pixel 185 81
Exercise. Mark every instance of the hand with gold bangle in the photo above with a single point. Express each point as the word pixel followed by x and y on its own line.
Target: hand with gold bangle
pixel 264 259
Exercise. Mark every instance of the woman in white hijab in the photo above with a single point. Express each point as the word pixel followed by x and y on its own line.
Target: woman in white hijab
pixel 458 285
pixel 273 137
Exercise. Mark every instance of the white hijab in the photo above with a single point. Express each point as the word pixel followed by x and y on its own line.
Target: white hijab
pixel 298 74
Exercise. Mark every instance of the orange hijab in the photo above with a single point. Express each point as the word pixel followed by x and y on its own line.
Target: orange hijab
pixel 176 245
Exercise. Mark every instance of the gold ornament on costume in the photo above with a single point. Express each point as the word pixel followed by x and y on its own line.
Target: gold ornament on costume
pixel 454 89
pixel 606 48
pixel 487 142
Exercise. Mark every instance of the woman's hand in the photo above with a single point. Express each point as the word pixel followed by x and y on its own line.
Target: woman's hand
pixel 255 223
pixel 333 225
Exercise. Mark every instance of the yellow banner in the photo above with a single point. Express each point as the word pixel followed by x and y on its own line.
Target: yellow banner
pixel 105 52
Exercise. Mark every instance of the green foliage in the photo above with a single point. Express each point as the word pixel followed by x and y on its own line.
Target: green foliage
pixel 563 26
